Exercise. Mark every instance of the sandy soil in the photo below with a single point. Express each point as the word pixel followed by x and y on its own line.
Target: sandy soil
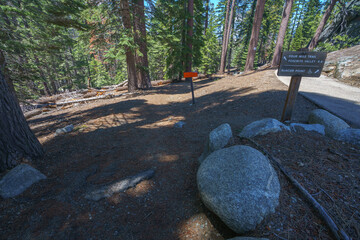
pixel 120 137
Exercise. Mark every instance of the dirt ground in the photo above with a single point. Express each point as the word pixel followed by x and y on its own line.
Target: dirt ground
pixel 121 137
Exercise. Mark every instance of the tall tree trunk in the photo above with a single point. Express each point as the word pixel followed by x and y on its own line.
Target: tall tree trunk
pixel 224 45
pixel 140 38
pixel 17 141
pixel 281 35
pixel 255 35
pixel 321 26
pixel 130 59
pixel 190 23
pixel 249 65
pixel 207 2
pixel 247 34
pixel 231 44
pixel 183 42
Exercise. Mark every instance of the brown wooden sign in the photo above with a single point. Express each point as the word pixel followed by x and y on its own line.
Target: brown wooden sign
pixel 301 63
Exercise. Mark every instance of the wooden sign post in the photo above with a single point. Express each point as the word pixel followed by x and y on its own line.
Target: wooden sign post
pixel 297 65
pixel 191 75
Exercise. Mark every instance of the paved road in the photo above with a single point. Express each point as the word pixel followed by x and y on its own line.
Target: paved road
pixel 332 95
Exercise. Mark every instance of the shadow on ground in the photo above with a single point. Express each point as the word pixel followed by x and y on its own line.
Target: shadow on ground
pixel 126 137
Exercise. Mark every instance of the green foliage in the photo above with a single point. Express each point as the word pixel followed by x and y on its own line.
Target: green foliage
pixel 337 43
pixel 63 43
pixel 169 30
pixel 211 49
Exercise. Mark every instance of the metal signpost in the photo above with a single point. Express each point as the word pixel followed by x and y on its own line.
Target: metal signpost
pixel 191 75
pixel 298 64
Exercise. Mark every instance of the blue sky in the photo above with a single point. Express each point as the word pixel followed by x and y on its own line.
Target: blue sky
pixel 215 2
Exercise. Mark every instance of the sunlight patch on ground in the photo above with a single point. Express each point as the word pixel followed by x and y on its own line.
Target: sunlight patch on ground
pixel 197 227
pixel 168 121
pixel 141 189
pixel 167 157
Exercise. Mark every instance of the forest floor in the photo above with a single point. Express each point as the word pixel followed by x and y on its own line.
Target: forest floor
pixel 117 138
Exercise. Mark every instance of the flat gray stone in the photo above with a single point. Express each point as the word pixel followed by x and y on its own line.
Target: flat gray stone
pixel 18 180
pixel 263 127
pixel 309 127
pixel 119 186
pixel 239 185
pixel 349 135
pixel 218 138
pixel 332 123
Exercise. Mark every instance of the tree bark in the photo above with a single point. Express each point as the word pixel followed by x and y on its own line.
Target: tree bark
pixel 140 38
pixel 130 59
pixel 315 39
pixel 17 141
pixel 190 23
pixel 225 37
pixel 255 35
pixel 281 35
pixel 231 35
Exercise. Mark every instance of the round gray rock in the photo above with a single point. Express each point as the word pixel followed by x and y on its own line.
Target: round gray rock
pixel 239 185
pixel 263 127
pixel 332 123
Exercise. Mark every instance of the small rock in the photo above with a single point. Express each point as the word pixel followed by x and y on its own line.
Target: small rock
pixel 332 123
pixel 18 180
pixel 179 124
pixel 263 127
pixel 64 130
pixel 309 127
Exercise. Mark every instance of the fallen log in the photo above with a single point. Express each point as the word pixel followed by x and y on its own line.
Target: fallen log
pixel 87 99
pixel 339 233
pixel 32 113
pixel 119 186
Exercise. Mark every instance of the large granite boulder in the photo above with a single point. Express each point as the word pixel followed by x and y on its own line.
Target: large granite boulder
pixel 332 123
pixel 18 180
pixel 239 185
pixel 218 138
pixel 350 135
pixel 262 127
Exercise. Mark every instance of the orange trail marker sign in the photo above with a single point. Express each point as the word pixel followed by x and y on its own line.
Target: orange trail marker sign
pixel 191 75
